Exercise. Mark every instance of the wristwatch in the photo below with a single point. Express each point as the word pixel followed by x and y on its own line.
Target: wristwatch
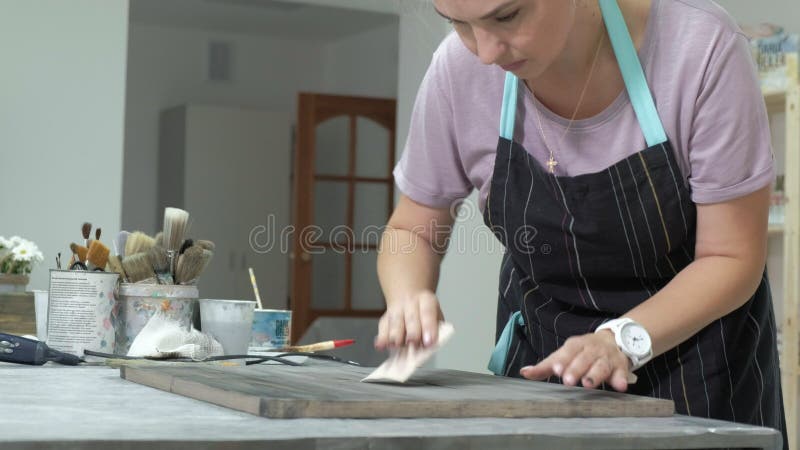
pixel 632 339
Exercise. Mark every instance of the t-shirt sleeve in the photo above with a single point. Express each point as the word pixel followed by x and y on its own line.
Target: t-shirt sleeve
pixel 430 170
pixel 729 148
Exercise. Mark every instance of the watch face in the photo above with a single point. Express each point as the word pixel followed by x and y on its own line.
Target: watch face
pixel 636 340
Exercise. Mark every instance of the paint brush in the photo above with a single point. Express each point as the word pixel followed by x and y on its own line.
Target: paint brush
pixel 159 239
pixel 115 265
pixel 137 267
pixel 138 242
pixel 191 264
pixel 186 244
pixel 176 221
pixel 86 231
pixel 97 256
pixel 318 347
pixel 255 287
pixel 159 260
pixel 80 251
pixel 119 243
pixel 208 245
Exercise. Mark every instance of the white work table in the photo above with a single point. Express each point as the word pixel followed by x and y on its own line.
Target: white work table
pixel 91 407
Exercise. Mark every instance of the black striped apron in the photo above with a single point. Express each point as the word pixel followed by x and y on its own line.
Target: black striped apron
pixel 582 250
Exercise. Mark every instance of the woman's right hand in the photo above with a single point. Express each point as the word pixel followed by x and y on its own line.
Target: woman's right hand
pixel 413 320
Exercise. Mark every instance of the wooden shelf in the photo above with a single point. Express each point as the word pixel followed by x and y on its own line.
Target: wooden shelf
pixel 788 102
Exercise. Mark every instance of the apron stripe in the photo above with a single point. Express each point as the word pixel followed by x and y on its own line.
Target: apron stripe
pixel 658 206
pixel 647 223
pixel 575 244
pixel 758 369
pixel 727 366
pixel 683 379
pixel 703 374
pixel 625 231
pixel 633 226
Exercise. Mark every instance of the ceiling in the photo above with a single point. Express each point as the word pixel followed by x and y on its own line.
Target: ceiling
pixel 290 20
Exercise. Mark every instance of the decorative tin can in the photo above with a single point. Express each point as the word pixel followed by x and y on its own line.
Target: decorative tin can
pixel 80 311
pixel 139 302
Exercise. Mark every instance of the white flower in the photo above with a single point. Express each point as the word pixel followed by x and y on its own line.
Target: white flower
pixel 26 251
pixel 16 240
pixel 5 243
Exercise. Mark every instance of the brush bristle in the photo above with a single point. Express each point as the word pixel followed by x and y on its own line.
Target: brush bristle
pixel 186 244
pixel 98 254
pixel 138 268
pixel 175 224
pixel 120 242
pixel 158 259
pixel 159 239
pixel 191 264
pixel 138 242
pixel 115 265
pixel 208 245
pixel 79 250
pixel 86 230
pixel 97 234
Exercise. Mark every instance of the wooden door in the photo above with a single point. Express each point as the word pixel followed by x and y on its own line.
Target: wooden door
pixel 344 193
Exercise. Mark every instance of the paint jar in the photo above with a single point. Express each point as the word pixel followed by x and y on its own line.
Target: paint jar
pixel 139 302
pixel 80 310
pixel 230 322
pixel 271 329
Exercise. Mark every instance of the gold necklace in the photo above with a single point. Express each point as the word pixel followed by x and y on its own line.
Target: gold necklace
pixel 551 162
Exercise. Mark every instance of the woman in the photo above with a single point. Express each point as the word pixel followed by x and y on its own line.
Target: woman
pixel 617 259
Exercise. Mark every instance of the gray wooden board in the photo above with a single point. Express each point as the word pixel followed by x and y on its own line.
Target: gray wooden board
pixel 335 391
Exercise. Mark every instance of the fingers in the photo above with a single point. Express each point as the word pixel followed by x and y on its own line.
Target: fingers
pixel 587 359
pixel 429 313
pixel 411 322
pixel 397 327
pixel 382 339
pixel 600 370
pixel 553 364
pixel 619 380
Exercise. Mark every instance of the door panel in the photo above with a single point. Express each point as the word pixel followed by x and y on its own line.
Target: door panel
pixel 344 192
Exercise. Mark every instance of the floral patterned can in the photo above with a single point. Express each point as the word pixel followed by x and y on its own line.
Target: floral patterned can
pixel 137 303
pixel 80 311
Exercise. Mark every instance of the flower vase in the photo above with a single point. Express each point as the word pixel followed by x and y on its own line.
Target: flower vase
pixel 13 283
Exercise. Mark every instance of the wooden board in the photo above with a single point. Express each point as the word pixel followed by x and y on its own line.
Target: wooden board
pixel 334 391
pixel 17 314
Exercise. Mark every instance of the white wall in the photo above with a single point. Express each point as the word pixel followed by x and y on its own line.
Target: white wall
pixel 364 64
pixel 782 12
pixel 166 67
pixel 61 121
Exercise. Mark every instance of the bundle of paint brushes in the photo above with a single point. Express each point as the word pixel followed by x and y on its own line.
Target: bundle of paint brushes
pixel 167 258
pixel 92 255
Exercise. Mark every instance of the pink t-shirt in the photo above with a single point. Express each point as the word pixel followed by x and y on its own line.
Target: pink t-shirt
pixel 704 82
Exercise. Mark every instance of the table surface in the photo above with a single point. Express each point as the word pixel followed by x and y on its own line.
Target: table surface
pixel 91 407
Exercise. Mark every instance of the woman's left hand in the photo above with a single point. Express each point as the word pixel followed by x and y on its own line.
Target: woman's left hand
pixel 591 358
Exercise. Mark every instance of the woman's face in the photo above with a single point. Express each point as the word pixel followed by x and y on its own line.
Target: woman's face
pixel 522 36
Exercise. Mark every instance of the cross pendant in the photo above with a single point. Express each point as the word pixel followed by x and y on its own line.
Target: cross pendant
pixel 551 164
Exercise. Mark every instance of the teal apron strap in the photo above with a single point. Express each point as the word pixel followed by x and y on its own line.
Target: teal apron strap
pixel 632 73
pixel 497 363
pixel 508 113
